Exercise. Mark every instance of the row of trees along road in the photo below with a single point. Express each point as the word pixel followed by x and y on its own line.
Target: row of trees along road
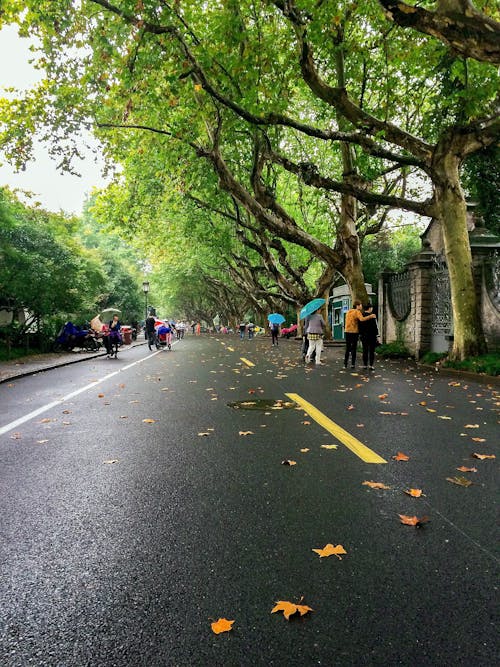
pixel 59 267
pixel 315 118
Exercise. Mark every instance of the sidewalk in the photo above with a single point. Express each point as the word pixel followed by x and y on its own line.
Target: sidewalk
pixel 35 363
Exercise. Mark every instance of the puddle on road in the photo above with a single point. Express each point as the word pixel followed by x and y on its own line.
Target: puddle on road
pixel 263 404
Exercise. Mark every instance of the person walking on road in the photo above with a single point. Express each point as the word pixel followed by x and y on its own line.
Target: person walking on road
pixel 368 332
pixel 275 330
pixel 351 328
pixel 315 332
pixel 242 328
pixel 149 327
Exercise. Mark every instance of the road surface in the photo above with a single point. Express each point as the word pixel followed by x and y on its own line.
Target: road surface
pixel 137 506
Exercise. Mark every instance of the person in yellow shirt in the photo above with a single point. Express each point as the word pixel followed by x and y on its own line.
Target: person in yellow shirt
pixel 351 329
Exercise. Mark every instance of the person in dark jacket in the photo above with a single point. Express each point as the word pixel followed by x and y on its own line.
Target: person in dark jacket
pixel 368 331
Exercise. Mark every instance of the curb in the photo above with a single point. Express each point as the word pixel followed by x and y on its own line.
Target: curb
pixel 467 375
pixel 68 362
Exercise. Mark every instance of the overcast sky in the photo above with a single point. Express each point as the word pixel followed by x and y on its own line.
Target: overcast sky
pixel 54 191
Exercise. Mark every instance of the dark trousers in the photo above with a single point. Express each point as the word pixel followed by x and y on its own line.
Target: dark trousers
pixel 369 345
pixel 351 344
pixel 274 336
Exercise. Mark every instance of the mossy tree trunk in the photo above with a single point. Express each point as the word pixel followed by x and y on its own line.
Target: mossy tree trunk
pixel 451 209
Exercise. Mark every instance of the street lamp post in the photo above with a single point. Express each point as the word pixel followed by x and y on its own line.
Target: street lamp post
pixel 145 289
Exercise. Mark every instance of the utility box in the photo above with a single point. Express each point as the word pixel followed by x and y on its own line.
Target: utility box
pixel 339 303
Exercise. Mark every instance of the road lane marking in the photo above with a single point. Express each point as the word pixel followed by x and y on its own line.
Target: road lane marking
pixel 362 451
pixel 44 408
pixel 247 362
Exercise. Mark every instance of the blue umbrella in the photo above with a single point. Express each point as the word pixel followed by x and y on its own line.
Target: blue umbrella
pixel 311 307
pixel 276 318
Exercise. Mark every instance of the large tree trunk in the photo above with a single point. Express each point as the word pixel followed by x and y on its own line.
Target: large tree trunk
pixel 353 269
pixel 450 203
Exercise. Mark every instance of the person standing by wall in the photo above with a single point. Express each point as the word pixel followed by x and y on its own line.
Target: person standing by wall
pixel 368 332
pixel 352 319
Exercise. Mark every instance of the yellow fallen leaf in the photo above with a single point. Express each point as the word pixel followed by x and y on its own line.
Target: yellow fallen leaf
pixel 483 456
pixel 45 420
pixel 376 485
pixel 289 608
pixel 413 520
pixel 430 410
pixel 110 461
pixel 415 493
pixel 465 469
pixel 41 442
pixel 306 423
pixel 66 412
pixel 329 446
pixel 222 625
pixel 149 421
pixel 383 396
pixel 304 450
pixel 443 417
pixel 100 395
pixel 330 550
pixel 245 432
pixel 478 439
pixel 360 425
pixel 203 433
pixel 471 426
pixel 288 462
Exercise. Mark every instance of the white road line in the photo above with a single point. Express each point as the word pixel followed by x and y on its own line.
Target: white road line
pixel 49 406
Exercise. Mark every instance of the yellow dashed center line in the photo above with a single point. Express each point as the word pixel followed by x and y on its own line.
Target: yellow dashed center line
pixel 362 451
pixel 247 362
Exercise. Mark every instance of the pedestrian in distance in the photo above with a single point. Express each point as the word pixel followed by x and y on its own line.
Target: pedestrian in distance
pixel 275 332
pixel 368 332
pixel 114 337
pixel 315 332
pixel 250 329
pixel 149 327
pixel 351 328
pixel 242 327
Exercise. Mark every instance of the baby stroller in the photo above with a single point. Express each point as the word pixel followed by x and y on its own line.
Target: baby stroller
pixel 164 335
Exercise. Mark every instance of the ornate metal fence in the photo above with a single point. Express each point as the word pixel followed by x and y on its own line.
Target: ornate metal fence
pixel 492 279
pixel 399 295
pixel 442 316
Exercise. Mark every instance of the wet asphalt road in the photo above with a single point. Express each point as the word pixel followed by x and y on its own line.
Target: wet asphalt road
pixel 127 563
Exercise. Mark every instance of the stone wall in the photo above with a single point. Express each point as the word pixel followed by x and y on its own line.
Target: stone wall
pixel 415 308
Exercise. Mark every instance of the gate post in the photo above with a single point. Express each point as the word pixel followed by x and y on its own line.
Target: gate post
pixel 420 269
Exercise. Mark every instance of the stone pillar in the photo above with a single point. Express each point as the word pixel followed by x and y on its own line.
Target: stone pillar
pixel 420 318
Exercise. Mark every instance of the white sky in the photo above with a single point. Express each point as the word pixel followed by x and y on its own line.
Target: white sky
pixel 53 190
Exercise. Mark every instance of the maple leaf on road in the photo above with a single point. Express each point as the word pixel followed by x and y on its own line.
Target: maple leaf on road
pixel 221 625
pixel 376 485
pixel 413 520
pixel 289 609
pixel 331 550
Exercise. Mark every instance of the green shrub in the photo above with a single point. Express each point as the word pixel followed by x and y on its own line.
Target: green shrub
pixel 485 363
pixel 395 350
pixel 432 357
